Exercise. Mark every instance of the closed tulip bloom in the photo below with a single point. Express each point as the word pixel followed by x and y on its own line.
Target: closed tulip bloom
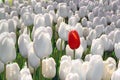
pixel 83 11
pixel 48 19
pixel 72 76
pixel 117 50
pixel 37 7
pixel 58 44
pixel 79 29
pixel 12 71
pixel 2 13
pixel 99 29
pixel 33 60
pixel 90 16
pixel 7 48
pixel 41 41
pixel 72 21
pixel 109 68
pixel 73 39
pixel 96 21
pixel 3 26
pixel 95 66
pixel 116 75
pixel 84 22
pixel 27 19
pixel 25 74
pixel 12 25
pixel 65 57
pixel 23 42
pixel 1 67
pixel 116 38
pixel 48 68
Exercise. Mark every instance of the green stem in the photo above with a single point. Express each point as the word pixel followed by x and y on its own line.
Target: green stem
pixel 5 72
pixel 34 74
pixel 41 77
pixel 74 54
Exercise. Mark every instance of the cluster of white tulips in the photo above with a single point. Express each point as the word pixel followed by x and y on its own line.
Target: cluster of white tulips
pixel 60 39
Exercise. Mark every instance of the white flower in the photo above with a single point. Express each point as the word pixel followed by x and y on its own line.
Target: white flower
pixel 95 66
pixel 91 36
pixel 83 11
pixel 99 29
pixel 97 47
pixel 37 7
pixel 109 68
pixel 96 21
pixel 33 60
pixel 27 19
pixel 48 67
pixel 116 38
pixel 62 10
pixel 2 13
pixel 7 48
pixel 23 42
pixel 12 71
pixel 79 29
pixel 12 25
pixel 48 19
pixel 64 70
pixel 90 16
pixel 103 21
pixel 58 44
pixel 87 57
pixel 117 50
pixel 72 21
pixel 65 57
pixel 59 21
pixel 63 31
pixel 42 45
pixel 1 67
pixel 84 21
pixel 25 74
pixel 3 26
pixel 72 76
pixel 116 75
pixel 86 31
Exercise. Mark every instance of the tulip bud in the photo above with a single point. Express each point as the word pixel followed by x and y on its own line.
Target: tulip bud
pixel 99 29
pixel 41 51
pixel 95 66
pixel 7 48
pixel 72 76
pixel 58 44
pixel 116 75
pixel 117 49
pixel 12 71
pixel 33 60
pixel 48 68
pixel 12 25
pixel 3 26
pixel 48 19
pixel 116 38
pixel 1 67
pixel 23 42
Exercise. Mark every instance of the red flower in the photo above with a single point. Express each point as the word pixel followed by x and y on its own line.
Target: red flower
pixel 73 39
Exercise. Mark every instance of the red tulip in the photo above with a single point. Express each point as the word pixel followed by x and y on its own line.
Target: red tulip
pixel 73 39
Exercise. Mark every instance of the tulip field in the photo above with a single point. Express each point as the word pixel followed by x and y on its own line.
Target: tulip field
pixel 59 39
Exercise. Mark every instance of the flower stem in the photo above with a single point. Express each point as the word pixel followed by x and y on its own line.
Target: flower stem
pixel 41 77
pixel 5 72
pixel 74 54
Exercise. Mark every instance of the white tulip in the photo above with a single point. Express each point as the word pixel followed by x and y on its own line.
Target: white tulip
pixel 117 50
pixel 3 26
pixel 91 16
pixel 58 44
pixel 25 74
pixel 103 21
pixel 12 25
pixel 7 48
pixel 114 18
pixel 64 70
pixel 48 19
pixel 96 21
pixel 97 47
pixel 116 75
pixel 39 20
pixel 109 28
pixel 72 76
pixel 1 67
pixel 86 31
pixel 72 21
pixel 84 21
pixel 37 7
pixel 27 19
pixel 87 57
pixel 69 51
pixel 83 11
pixel 62 10
pixel 65 57
pixel 99 29
pixel 95 66
pixel 33 60
pixel 59 21
pixel 91 36
pixel 116 38
pixel 48 67
pixel 52 13
pixel 79 29
pixel 109 68
pixel 12 71
pixel 63 31
pixel 23 42
pixel 41 41
pixel 2 13
pixel 50 7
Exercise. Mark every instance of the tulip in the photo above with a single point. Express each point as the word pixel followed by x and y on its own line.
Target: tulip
pixel 7 48
pixel 109 68
pixel 2 13
pixel 117 50
pixel 103 21
pixel 1 67
pixel 84 21
pixel 95 66
pixel 58 44
pixel 25 74
pixel 23 42
pixel 33 60
pixel 41 51
pixel 12 25
pixel 72 76
pixel 48 19
pixel 79 29
pixel 116 75
pixel 91 36
pixel 72 21
pixel 116 38
pixel 48 68
pixel 96 21
pixel 83 11
pixel 12 71
pixel 99 29
pixel 90 16
pixel 37 7
pixel 4 26
pixel 65 57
